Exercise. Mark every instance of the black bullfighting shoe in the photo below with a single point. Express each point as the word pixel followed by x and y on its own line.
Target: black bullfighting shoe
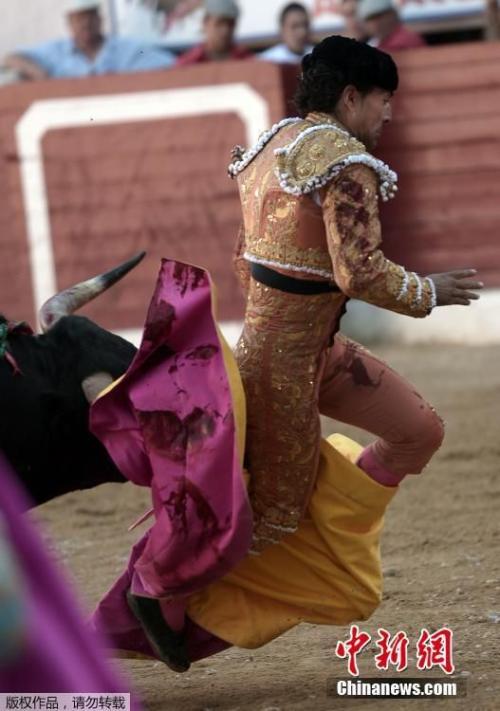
pixel 170 646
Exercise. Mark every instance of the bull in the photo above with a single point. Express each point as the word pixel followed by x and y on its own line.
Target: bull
pixel 46 384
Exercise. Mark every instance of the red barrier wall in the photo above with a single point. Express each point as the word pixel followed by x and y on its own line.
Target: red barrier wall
pixel 114 189
pixel 161 185
pixel 444 143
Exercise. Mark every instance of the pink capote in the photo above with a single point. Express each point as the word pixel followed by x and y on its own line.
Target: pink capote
pixel 169 424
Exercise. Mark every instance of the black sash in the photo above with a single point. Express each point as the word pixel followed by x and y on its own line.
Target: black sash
pixel 290 285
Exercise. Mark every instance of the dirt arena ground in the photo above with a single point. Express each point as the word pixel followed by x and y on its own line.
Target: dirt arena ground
pixel 440 554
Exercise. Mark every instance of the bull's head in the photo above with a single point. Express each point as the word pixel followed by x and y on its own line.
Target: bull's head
pixel 44 415
pixel 70 300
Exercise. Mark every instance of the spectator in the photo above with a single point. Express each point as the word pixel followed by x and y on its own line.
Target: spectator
pixel 295 25
pixel 384 26
pixel 353 27
pixel 88 51
pixel 219 26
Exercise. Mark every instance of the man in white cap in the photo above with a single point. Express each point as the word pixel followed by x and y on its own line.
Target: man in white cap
pixel 383 25
pixel 88 51
pixel 219 26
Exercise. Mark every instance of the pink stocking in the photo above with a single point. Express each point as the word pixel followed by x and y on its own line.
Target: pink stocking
pixel 370 464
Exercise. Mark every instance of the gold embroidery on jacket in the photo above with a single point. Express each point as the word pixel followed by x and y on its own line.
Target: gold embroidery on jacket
pixel 316 153
pixel 272 217
pixel 280 359
pixel 350 210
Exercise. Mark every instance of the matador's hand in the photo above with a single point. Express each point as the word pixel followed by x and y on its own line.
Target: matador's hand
pixel 456 287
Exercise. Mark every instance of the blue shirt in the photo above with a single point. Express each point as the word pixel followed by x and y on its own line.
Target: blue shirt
pixel 61 58
pixel 282 55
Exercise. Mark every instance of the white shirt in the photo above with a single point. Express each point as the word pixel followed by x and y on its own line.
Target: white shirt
pixel 280 54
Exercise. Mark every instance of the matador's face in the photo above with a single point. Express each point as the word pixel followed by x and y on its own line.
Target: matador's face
pixel 373 111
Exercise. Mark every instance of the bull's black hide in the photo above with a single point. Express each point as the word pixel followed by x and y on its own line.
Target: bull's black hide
pixel 43 411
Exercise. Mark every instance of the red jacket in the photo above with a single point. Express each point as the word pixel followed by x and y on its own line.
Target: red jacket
pixel 196 55
pixel 401 38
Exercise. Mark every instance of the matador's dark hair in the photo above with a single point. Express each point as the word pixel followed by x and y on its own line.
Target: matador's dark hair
pixel 337 62
pixel 292 7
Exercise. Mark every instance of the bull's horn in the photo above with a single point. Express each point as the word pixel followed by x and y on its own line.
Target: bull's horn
pixel 72 299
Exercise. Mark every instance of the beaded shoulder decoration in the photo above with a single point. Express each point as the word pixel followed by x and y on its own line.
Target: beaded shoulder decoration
pixel 243 158
pixel 321 152
pixel 314 158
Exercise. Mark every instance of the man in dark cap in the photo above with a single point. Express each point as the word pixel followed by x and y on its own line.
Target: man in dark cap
pixel 219 25
pixel 295 26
